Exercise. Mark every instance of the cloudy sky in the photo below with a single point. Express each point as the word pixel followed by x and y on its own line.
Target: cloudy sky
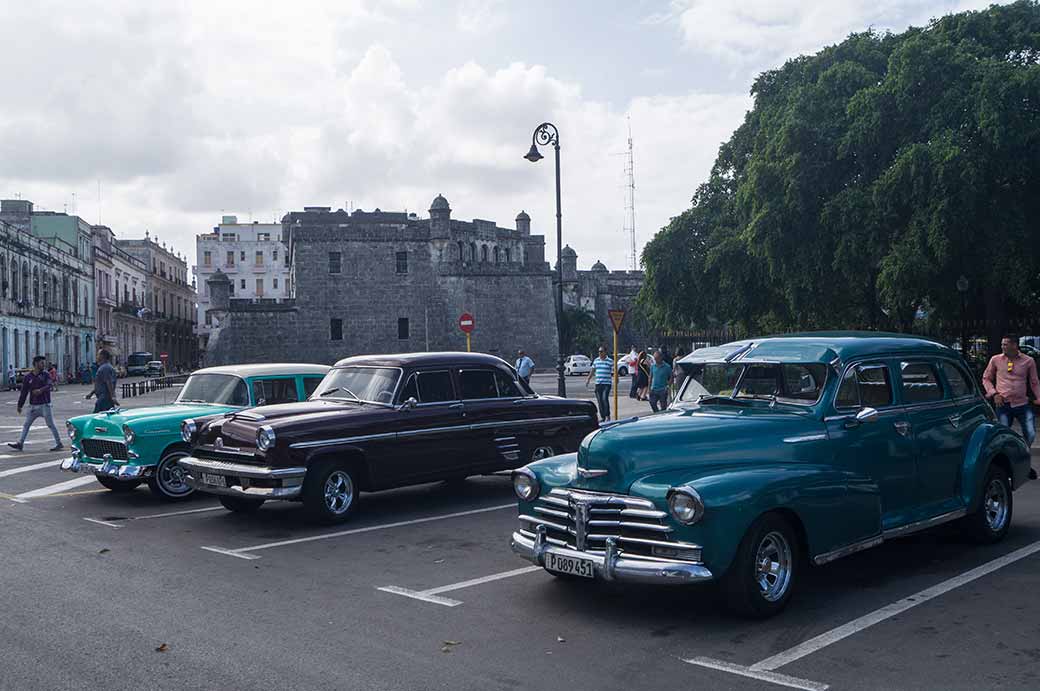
pixel 184 111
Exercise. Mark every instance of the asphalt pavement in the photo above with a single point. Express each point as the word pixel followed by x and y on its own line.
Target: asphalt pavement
pixel 420 591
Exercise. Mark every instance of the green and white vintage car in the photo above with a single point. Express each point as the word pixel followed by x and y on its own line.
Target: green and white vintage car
pixel 126 447
pixel 779 453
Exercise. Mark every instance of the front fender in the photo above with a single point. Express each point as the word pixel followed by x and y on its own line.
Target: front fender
pixel 552 472
pixel 987 442
pixel 814 496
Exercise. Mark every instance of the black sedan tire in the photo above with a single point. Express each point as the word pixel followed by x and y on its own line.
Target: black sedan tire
pixel 992 520
pixel 119 486
pixel 167 482
pixel 240 504
pixel 765 570
pixel 330 492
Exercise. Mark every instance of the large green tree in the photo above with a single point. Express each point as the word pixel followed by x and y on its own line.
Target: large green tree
pixel 865 181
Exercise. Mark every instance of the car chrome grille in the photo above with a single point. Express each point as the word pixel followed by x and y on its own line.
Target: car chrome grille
pixel 583 520
pixel 211 454
pixel 97 448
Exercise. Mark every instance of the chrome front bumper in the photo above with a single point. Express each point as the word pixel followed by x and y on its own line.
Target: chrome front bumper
pixel 291 479
pixel 118 470
pixel 612 565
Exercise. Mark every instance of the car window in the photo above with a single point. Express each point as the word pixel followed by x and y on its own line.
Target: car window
pixel 920 382
pixel 273 391
pixel 960 385
pixel 867 386
pixel 507 388
pixel 759 380
pixel 477 384
pixel 409 390
pixel 310 384
pixel 435 387
pixel 796 382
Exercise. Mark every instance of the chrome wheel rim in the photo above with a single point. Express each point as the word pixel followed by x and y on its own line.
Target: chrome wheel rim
pixel 542 452
pixel 172 477
pixel 773 566
pixel 996 505
pixel 339 492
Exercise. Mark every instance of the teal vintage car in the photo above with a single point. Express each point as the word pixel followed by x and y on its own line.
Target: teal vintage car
pixel 777 453
pixel 124 448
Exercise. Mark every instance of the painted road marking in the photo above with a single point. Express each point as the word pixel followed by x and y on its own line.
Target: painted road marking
pixel 101 522
pixel 27 468
pixel 111 522
pixel 431 595
pixel 11 497
pixel 768 665
pixel 243 552
pixel 59 487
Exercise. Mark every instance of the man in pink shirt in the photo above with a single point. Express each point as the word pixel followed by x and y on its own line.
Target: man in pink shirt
pixel 1007 378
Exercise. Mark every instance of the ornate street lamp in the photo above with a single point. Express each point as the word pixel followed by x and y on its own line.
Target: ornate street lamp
pixel 962 288
pixel 546 134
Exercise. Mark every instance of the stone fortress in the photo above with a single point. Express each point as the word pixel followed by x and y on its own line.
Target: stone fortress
pixel 387 281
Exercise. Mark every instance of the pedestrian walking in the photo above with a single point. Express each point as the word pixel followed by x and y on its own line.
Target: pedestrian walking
pixel 11 378
pixel 643 376
pixel 53 372
pixel 104 383
pixel 524 366
pixel 36 386
pixel 603 371
pixel 1008 378
pixel 660 377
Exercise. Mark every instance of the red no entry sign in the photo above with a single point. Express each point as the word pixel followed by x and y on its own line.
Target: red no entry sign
pixel 466 322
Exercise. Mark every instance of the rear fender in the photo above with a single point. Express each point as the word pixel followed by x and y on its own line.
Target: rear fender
pixel 987 442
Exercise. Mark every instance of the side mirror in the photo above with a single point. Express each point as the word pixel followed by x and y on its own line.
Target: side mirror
pixel 408 404
pixel 864 415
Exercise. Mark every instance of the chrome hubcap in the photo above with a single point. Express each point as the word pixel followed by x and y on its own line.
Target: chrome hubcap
pixel 339 492
pixel 996 505
pixel 171 476
pixel 773 563
pixel 542 452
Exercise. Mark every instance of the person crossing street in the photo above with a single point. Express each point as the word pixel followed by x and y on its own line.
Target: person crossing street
pixel 1008 379
pixel 660 377
pixel 603 371
pixel 104 383
pixel 36 386
pixel 524 366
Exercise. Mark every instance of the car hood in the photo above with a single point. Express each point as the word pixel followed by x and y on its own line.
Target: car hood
pixel 292 419
pixel 700 440
pixel 158 414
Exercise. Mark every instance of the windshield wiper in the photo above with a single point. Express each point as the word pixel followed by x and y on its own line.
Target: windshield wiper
pixel 341 388
pixel 192 400
pixel 719 398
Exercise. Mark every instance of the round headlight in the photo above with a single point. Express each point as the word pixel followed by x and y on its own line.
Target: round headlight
pixel 685 505
pixel 71 429
pixel 525 484
pixel 188 430
pixel 264 438
pixel 128 434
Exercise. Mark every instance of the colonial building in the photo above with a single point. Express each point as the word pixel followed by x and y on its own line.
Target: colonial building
pixel 254 259
pixel 367 282
pixel 104 272
pixel 169 301
pixel 599 290
pixel 47 302
pixel 130 322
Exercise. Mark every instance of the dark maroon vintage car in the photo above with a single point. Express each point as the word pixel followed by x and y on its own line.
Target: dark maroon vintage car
pixel 381 421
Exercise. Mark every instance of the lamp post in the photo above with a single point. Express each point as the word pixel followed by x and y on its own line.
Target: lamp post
pixel 546 134
pixel 962 288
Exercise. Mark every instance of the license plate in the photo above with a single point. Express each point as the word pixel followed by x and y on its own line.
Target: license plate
pixel 216 480
pixel 570 565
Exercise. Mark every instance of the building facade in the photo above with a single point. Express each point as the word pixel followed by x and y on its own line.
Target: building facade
pixel 104 273
pixel 599 290
pixel 129 317
pixel 47 304
pixel 370 282
pixel 252 256
pixel 169 302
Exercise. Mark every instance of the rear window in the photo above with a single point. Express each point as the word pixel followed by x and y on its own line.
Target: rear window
pixel 865 386
pixel 959 383
pixel 435 387
pixel 920 382
pixel 477 384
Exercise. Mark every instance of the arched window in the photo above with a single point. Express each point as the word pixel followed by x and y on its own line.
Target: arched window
pixel 65 293
pixel 75 297
pixel 483 253
pixel 3 277
pixel 25 291
pixel 496 255
pixel 36 292
pixel 462 256
pixel 473 251
pixel 509 257
pixel 55 297
pixel 14 279
pixel 46 290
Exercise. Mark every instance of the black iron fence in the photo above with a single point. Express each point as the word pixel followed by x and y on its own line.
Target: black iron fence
pixel 139 388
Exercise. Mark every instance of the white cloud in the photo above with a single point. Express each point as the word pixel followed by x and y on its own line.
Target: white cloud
pixel 480 16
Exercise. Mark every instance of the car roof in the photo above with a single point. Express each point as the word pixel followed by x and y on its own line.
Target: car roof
pixel 265 369
pixel 823 346
pixel 439 359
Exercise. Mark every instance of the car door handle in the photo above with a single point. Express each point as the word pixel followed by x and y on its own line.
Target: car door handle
pixel 902 427
pixel 955 420
pixel 518 401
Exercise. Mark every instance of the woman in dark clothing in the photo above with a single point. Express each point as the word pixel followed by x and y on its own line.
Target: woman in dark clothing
pixel 643 381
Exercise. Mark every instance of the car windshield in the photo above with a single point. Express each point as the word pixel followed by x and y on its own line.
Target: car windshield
pixel 794 383
pixel 359 384
pixel 218 389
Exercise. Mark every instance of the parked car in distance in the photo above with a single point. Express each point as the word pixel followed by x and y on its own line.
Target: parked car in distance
pixel 577 364
pixel 778 452
pixel 124 448
pixel 154 369
pixel 137 363
pixel 382 421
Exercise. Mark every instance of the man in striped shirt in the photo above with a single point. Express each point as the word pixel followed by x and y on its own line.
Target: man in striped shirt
pixel 603 371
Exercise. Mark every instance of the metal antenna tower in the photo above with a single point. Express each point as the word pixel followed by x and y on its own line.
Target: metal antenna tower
pixel 630 202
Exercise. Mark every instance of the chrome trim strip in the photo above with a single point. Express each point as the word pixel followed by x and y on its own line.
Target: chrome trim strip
pixel 927 523
pixel 848 549
pixel 525 423
pixel 622 500
pixel 552 512
pixel 232 450
pixel 240 470
pixel 346 440
pixel 590 473
pixel 805 437
pixel 652 527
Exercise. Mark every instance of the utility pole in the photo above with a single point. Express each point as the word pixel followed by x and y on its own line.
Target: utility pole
pixel 630 203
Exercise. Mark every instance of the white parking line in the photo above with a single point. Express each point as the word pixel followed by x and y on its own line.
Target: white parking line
pixel 101 522
pixel 764 669
pixel 27 468
pixel 431 595
pixel 111 522
pixel 243 552
pixel 59 487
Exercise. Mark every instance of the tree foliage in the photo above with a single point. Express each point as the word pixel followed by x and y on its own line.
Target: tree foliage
pixel 864 181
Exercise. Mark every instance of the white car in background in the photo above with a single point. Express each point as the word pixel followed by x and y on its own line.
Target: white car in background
pixel 577 364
